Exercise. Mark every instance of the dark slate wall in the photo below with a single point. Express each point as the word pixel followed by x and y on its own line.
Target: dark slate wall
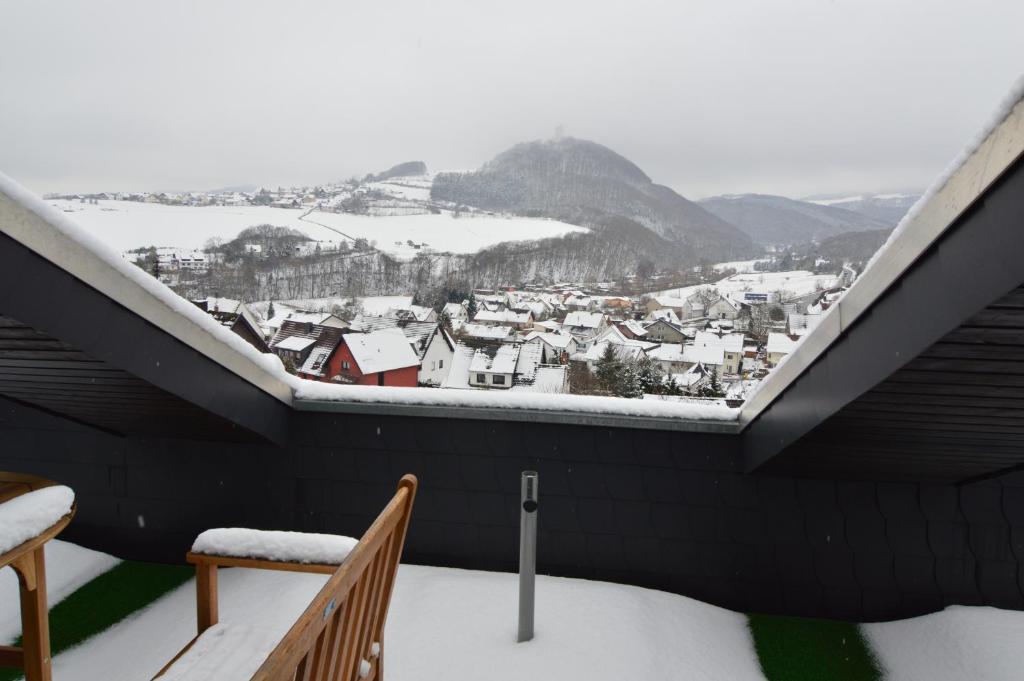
pixel 667 510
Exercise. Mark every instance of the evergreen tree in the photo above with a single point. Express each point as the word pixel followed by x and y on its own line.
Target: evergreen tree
pixel 629 384
pixel 672 387
pixel 713 387
pixel 471 307
pixel 650 376
pixel 270 310
pixel 608 369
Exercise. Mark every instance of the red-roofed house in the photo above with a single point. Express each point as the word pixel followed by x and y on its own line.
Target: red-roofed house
pixel 382 357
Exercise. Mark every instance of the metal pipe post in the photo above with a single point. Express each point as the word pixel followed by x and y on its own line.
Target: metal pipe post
pixel 527 553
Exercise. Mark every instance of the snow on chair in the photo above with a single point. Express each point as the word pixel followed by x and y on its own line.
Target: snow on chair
pixel 32 512
pixel 340 634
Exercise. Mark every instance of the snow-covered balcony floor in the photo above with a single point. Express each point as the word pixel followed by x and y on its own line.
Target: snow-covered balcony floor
pixel 460 625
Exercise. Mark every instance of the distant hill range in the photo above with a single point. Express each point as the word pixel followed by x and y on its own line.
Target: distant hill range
pixel 585 183
pixel 888 208
pixel 779 221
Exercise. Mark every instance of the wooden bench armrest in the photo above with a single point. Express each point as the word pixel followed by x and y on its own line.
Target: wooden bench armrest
pixel 206 559
pixel 207 610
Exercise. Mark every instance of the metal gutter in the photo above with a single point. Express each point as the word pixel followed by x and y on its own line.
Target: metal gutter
pixel 986 164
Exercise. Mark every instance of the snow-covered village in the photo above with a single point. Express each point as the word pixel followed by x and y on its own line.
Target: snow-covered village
pixel 556 341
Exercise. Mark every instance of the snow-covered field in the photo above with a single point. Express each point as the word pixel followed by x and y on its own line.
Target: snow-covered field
pixel 796 283
pixel 443 232
pixel 124 225
pixel 375 306
pixel 741 266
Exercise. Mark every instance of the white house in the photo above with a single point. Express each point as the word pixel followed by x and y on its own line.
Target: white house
pixel 723 308
pixel 554 346
pixel 436 359
pixel 456 312
pixel 493 366
pixel 584 326
pixel 731 345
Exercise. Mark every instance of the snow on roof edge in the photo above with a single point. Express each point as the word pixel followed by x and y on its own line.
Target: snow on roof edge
pixel 311 391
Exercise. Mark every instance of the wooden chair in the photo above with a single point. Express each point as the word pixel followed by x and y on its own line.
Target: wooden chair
pixel 29 562
pixel 340 634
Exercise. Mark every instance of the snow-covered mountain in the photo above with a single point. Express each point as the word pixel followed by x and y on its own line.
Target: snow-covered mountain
pixel 585 183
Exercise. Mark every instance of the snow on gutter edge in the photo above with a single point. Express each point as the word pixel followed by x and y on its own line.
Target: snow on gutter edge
pixel 989 153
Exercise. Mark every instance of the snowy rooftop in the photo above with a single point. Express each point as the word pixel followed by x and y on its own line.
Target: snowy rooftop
pixel 483 331
pixel 555 340
pixel 382 350
pixel 495 360
pixel 502 317
pixel 730 342
pixel 780 343
pixel 295 343
pixel 587 320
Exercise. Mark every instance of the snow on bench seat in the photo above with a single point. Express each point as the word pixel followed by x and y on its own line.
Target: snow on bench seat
pixel 225 652
pixel 277 546
pixel 32 513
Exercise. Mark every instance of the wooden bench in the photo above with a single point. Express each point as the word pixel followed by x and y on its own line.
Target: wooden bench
pixel 339 636
pixel 28 559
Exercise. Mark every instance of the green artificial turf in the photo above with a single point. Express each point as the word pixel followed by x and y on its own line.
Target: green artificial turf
pixel 105 601
pixel 802 649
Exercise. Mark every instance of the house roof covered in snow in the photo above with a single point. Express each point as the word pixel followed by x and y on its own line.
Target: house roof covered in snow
pixel 418 333
pixel 668 314
pixel 635 327
pixel 505 316
pixel 483 331
pixel 780 343
pixel 555 340
pixel 527 362
pixel 495 359
pixel 382 350
pixel 294 343
pixel 547 379
pixel 730 342
pixel 585 320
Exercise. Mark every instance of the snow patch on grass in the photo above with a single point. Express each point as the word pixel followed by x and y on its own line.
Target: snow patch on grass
pixel 68 567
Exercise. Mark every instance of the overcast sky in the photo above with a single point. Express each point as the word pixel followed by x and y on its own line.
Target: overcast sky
pixel 708 97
